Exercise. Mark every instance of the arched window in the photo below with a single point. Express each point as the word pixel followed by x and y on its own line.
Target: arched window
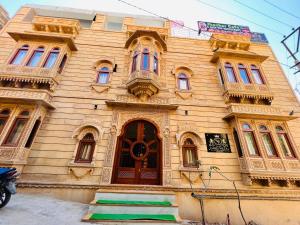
pixel 155 63
pixel 36 57
pixel 244 74
pixel 134 61
pixel 189 152
pixel 62 63
pixel 20 55
pixel 250 139
pixel 230 73
pixel 103 75
pixel 268 141
pixel 52 57
pixel 17 129
pixel 256 75
pixel 145 59
pixel 183 82
pixel 85 149
pixel 4 115
pixel 284 142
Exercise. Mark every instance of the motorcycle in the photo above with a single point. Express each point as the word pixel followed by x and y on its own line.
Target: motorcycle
pixel 8 178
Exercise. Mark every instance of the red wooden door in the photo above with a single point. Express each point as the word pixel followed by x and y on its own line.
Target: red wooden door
pixel 138 155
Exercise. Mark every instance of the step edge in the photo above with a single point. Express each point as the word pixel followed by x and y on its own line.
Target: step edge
pixel 128 205
pixel 136 192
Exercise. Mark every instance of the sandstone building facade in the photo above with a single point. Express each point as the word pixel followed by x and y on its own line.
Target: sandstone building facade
pixel 101 100
pixel 3 17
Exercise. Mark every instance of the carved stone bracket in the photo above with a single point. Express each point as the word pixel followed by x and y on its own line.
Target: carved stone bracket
pixel 184 94
pixel 80 172
pixel 190 174
pixel 100 88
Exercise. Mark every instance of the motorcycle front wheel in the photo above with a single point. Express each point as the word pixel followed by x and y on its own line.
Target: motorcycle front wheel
pixel 4 197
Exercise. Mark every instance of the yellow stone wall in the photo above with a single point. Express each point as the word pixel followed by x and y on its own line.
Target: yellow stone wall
pixel 49 166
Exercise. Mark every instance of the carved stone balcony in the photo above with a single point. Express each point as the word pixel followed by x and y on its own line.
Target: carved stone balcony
pixel 143 84
pixel 251 111
pixel 162 31
pixel 56 25
pixel 48 29
pixel 243 92
pixel 33 75
pixel 38 96
pixel 11 154
pixel 282 171
pixel 230 41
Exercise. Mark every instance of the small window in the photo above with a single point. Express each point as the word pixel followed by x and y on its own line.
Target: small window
pixel 36 57
pixel 145 59
pixel 189 151
pixel 230 73
pixel 238 143
pixel 103 76
pixel 4 115
pixel 33 133
pixel 220 75
pixel 183 82
pixel 20 55
pixel 85 149
pixel 17 129
pixel 134 62
pixel 155 63
pixel 250 140
pixel 244 74
pixel 285 142
pixel 62 63
pixel 51 59
pixel 256 75
pixel 267 141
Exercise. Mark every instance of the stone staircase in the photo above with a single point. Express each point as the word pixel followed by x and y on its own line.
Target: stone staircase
pixel 133 207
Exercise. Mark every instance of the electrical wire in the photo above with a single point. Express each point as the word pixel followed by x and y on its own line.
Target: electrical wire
pixel 282 10
pixel 264 14
pixel 192 29
pixel 233 14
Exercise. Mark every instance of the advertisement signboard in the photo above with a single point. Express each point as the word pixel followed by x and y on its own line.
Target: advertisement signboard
pixel 259 37
pixel 223 28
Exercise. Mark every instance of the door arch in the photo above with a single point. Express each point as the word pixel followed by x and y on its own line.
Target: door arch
pixel 138 158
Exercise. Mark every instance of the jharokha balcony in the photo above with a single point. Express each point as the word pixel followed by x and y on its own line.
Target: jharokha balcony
pixel 143 84
pixel 60 30
pixel 56 25
pixel 247 93
pixel 30 84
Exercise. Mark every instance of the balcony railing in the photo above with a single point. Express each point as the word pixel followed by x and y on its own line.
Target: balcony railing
pixel 26 72
pixel 255 91
pixel 28 95
pixel 287 170
pixel 56 25
pixel 10 154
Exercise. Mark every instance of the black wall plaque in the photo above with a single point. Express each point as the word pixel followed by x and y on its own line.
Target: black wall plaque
pixel 217 142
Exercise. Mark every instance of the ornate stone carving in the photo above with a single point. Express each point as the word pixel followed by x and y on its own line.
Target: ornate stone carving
pixel 80 172
pixel 56 25
pixel 27 94
pixel 167 178
pixel 100 88
pixel 143 84
pixel 184 94
pixel 106 175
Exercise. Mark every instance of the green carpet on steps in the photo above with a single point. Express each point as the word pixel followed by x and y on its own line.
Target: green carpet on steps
pixel 125 202
pixel 165 217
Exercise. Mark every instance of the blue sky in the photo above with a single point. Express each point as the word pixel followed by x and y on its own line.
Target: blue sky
pixel 191 11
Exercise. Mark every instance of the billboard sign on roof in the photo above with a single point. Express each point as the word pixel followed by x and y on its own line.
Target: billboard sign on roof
pixel 223 28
